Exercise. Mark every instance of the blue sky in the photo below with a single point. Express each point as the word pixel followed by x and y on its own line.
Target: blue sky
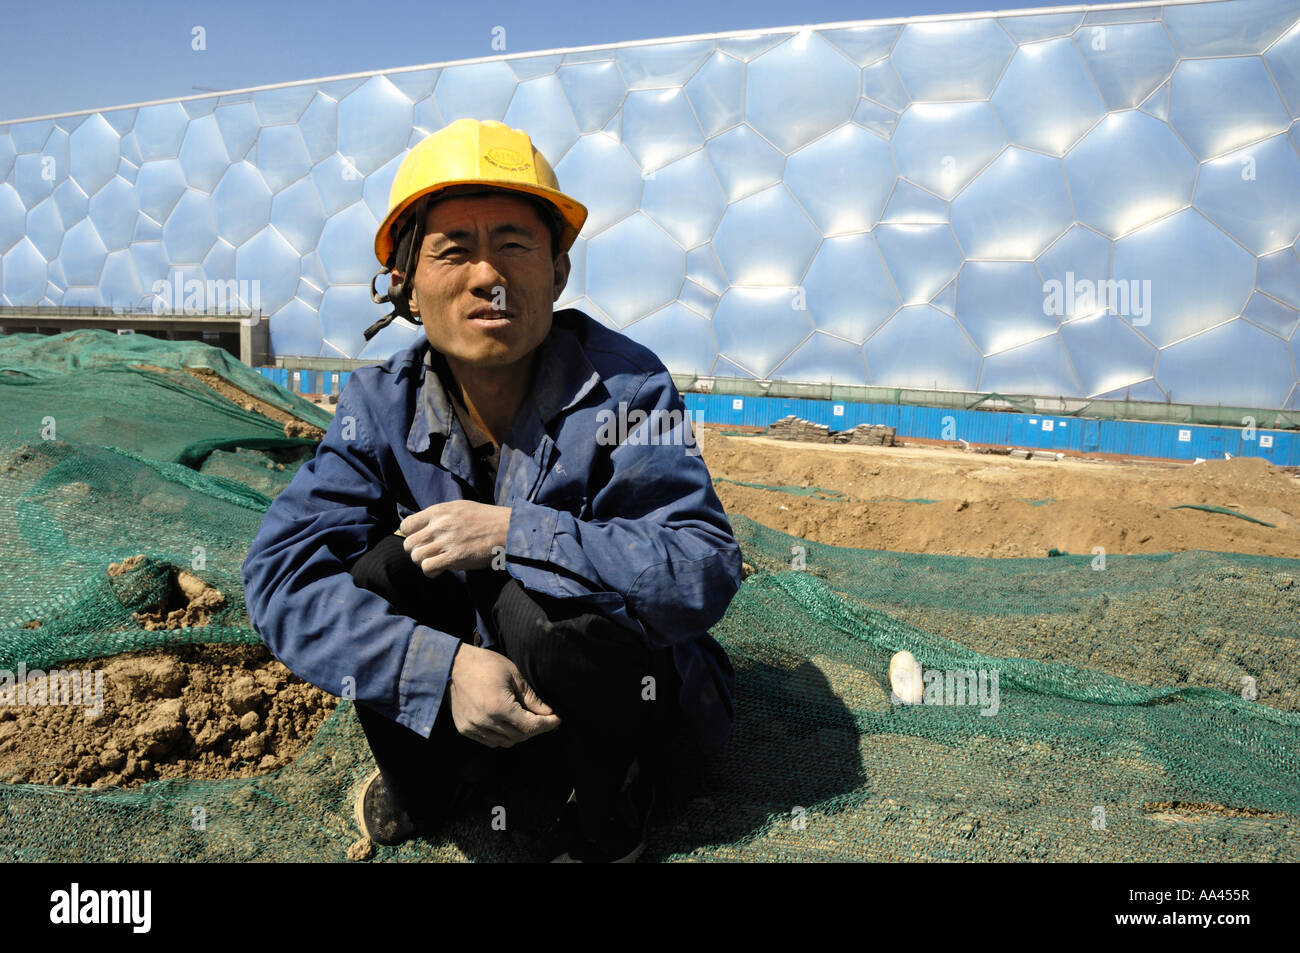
pixel 71 55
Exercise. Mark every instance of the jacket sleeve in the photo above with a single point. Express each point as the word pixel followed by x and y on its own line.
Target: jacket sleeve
pixel 304 602
pixel 658 553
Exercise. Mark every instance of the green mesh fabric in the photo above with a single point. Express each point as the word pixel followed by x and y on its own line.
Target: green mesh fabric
pixel 1209 508
pixel 1122 730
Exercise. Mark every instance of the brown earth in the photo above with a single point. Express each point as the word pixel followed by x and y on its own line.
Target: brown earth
pixel 293 426
pixel 206 711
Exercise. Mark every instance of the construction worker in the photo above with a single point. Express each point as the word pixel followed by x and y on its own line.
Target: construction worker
pixel 507 549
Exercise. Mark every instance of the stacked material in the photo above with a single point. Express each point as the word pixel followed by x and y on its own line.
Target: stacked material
pixel 791 427
pixel 873 435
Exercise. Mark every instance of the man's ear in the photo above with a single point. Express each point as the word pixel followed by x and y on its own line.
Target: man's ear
pixel 562 266
pixel 413 302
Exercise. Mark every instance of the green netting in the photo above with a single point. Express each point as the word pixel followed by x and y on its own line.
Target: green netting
pixel 1221 509
pixel 1122 730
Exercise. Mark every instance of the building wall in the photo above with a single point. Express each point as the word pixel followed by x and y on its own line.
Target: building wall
pixel 1096 202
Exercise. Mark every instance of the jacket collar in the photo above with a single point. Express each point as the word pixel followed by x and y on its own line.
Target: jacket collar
pixel 562 377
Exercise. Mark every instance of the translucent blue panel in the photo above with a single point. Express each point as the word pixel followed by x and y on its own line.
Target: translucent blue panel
pixel 863 44
pixel 589 56
pixel 1140 390
pixel 1157 104
pixel 703 268
pixel 1234 364
pixel 54 276
pixel 269 260
pixel 426 117
pixel 238 125
pixel 758 328
pixel 1037 367
pixel 191 228
pixel 196 108
pixel 1129 170
pixel 377 187
pixel 374 123
pixel 1254 194
pixel 662 64
pixel 942 145
pixel 749 46
pixel 679 337
pixel 875 117
pixel 824 358
pixel 1229 29
pixel 398 336
pixel 281 156
pixel 1198 276
pixel 203 154
pixel 296 329
pixel 150 263
pixel 94 153
pixel 911 205
pixel 72 202
pixel 220 261
pixel 685 199
pixel 158 186
pixel 120 119
pixel 1047 100
pixel 766 239
pixel 1079 255
pixel 946 300
pixel 31 136
pixel 347 246
pixel 337 89
pixel 1001 304
pixel 922 258
pixel 320 127
pixel 298 215
pixel 146 229
pixel 1279 276
pixel 848 290
pixel 45 228
pixel 414 84
pixel 700 300
pixel 82 255
pixel 587 306
pixel 799 91
pixel 576 286
pixel 1030 29
pixel 24 274
pixel 880 82
pixel 604 178
pixel 744 162
pixel 345 312
pixel 633 269
pixel 127 171
pixel 313 270
pixel 243 203
pixel 531 67
pixel 1218 105
pixel 159 130
pixel 1283 61
pixel 475 91
pixel 954 59
pixel 120 286
pixel 309 293
pixel 56 148
pixel 595 91
pixel 540 109
pixel 131 150
pixel 284 104
pixel 1271 314
pixel 1131 15
pixel 338 183
pixel 30 178
pixel 922 347
pixel 726 368
pixel 13 217
pixel 843 179
pixel 1014 209
pixel 7 153
pixel 82 298
pixel 1127 61
pixel 717 92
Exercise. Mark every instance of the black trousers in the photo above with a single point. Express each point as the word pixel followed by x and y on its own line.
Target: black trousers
pixel 591 671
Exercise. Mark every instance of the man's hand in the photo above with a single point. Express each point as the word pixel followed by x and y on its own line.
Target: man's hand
pixel 460 534
pixel 492 704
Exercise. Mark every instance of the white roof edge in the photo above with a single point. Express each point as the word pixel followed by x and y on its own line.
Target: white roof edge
pixel 842 24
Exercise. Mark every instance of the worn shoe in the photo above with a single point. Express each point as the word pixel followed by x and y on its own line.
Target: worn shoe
pixel 623 833
pixel 378 815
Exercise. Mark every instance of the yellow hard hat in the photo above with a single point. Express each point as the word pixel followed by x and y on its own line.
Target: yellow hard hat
pixel 476 152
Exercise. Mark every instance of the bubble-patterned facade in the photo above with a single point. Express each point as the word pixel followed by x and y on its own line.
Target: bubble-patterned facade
pixel 1083 202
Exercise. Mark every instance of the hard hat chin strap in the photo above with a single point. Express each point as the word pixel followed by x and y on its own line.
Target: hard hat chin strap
pixel 403 260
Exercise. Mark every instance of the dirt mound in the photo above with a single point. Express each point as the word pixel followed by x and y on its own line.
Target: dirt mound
pixel 204 711
pixel 293 427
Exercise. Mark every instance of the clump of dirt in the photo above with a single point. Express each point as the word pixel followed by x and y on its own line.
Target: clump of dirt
pixel 203 711
pixel 293 427
pixel 185 601
pixel 1188 812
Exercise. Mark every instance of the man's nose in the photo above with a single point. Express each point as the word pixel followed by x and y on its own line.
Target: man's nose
pixel 485 275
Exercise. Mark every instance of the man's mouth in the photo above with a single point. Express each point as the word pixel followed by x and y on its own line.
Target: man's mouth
pixel 491 316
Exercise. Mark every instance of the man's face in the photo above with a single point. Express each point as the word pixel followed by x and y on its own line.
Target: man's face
pixel 485 281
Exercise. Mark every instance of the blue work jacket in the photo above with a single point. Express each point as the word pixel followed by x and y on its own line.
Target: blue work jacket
pixel 610 505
